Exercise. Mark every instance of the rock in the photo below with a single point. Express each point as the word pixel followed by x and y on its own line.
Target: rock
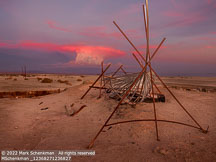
pixel 156 150
pixel 15 127
pixel 163 152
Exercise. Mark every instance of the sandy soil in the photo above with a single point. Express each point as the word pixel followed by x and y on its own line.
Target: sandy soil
pixel 23 125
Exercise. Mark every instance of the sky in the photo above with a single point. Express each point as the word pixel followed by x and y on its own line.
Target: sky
pixel 75 36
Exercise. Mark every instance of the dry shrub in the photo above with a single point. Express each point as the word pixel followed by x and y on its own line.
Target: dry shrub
pixel 62 81
pixel 15 79
pixel 46 80
pixel 39 79
pixel 82 76
pixel 79 79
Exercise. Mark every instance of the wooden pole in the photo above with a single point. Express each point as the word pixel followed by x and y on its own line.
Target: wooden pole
pixel 148 54
pixel 96 81
pixel 101 79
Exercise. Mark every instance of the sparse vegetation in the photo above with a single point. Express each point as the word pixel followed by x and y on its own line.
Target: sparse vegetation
pixel 46 80
pixel 82 76
pixel 79 79
pixel 15 79
pixel 62 81
pixel 39 79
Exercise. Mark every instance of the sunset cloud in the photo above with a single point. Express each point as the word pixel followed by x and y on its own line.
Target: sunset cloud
pixel 85 54
pixel 93 54
pixel 53 25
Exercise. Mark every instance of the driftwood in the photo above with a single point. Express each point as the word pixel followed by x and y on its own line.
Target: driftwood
pixel 71 111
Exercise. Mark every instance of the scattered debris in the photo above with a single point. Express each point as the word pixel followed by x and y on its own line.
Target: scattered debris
pixel 160 150
pixel 45 108
pixel 73 112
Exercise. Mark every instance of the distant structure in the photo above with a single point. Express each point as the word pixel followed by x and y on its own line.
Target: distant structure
pixel 23 69
pixel 137 87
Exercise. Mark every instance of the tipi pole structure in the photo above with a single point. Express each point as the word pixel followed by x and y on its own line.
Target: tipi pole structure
pixel 122 99
pixel 158 75
pixel 164 83
pixel 96 81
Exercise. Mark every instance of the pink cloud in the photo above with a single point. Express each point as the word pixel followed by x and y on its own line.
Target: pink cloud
pixel 209 46
pixel 93 31
pixel 187 20
pixel 93 54
pixel 54 26
pixel 85 54
pixel 101 32
pixel 209 38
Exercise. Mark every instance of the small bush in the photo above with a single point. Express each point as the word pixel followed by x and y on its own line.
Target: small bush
pixel 82 76
pixel 79 79
pixel 46 80
pixel 15 79
pixel 62 81
pixel 39 79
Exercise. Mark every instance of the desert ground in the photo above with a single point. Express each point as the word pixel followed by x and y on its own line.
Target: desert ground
pixel 29 122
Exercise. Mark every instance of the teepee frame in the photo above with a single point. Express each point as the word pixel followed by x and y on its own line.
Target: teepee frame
pixel 147 64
